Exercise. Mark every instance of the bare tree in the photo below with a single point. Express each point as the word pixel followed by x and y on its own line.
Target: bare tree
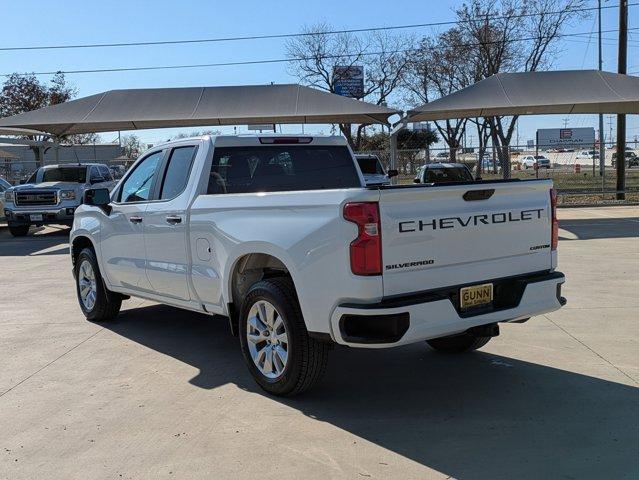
pixel 81 139
pixel 132 146
pixel 194 133
pixel 439 67
pixel 314 56
pixel 514 36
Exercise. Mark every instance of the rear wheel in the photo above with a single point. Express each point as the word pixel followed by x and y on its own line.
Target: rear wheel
pixel 278 351
pixel 96 301
pixel 19 230
pixel 462 343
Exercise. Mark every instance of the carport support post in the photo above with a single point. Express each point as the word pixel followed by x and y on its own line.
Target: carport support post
pixel 393 146
pixel 621 119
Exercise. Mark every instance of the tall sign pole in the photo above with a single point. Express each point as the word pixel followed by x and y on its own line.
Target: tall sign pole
pixel 602 146
pixel 621 119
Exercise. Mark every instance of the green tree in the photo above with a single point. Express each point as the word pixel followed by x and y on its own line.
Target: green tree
pixel 23 93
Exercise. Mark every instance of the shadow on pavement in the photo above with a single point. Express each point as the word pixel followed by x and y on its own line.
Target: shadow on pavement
pixel 591 228
pixel 50 240
pixel 479 416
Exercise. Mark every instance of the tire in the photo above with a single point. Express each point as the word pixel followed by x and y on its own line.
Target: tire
pixel 305 357
pixel 106 304
pixel 19 230
pixel 461 343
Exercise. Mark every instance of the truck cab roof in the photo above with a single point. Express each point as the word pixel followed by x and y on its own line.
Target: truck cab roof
pixel 243 140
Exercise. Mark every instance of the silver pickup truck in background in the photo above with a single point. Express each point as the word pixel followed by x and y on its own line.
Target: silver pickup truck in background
pixel 51 195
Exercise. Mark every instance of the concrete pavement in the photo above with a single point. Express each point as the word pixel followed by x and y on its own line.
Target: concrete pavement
pixel 162 393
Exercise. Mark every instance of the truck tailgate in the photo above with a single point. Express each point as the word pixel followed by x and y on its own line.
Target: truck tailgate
pixel 439 236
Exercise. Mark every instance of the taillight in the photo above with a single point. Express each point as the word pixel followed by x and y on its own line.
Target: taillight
pixel 554 239
pixel 366 249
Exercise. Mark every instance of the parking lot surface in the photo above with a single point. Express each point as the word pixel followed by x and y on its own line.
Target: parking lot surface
pixel 164 393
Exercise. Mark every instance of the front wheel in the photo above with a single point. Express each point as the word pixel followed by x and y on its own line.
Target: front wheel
pixel 283 359
pixel 462 343
pixel 96 301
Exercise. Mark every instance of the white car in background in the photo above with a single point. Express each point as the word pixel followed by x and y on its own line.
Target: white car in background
pixel 587 155
pixel 4 185
pixel 529 161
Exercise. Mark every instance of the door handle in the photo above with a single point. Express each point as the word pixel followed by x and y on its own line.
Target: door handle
pixel 135 219
pixel 173 219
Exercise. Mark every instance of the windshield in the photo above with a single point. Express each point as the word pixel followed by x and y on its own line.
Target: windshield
pixel 447 175
pixel 370 165
pixel 65 174
pixel 540 157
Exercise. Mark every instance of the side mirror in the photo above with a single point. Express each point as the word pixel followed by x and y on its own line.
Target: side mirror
pixel 392 173
pixel 97 197
pixel 416 180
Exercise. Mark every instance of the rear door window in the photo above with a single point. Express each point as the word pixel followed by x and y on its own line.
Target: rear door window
pixel 281 169
pixel 177 172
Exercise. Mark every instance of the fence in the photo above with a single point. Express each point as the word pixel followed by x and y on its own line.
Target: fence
pixel 574 172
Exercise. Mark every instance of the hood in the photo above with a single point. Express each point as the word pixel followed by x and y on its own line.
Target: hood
pixel 49 186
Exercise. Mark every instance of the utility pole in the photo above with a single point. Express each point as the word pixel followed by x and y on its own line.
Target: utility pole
pixel 602 140
pixel 565 120
pixel 610 126
pixel 622 63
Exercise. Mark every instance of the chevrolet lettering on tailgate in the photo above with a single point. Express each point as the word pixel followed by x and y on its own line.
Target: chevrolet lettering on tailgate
pixel 471 220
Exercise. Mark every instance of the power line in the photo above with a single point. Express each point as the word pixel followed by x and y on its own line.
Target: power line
pixel 277 60
pixel 285 35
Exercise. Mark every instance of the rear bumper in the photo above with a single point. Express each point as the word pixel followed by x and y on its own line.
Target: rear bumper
pixel 417 317
pixel 49 215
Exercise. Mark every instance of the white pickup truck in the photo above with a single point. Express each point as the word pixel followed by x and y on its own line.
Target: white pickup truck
pixel 281 235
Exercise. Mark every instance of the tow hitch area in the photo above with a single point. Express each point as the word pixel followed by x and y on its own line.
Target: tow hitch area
pixel 490 330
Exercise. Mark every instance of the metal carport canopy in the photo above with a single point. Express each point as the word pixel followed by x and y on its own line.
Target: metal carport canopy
pixel 198 106
pixel 536 93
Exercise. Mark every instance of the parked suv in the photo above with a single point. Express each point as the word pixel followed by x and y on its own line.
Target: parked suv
pixel 373 170
pixel 443 173
pixel 51 195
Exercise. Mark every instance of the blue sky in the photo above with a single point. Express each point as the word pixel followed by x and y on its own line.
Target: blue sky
pixel 124 21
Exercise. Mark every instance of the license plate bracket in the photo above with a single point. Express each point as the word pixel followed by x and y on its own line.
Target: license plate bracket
pixel 37 217
pixel 476 296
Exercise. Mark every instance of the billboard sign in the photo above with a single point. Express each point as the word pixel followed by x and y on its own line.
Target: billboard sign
pixel 548 138
pixel 349 81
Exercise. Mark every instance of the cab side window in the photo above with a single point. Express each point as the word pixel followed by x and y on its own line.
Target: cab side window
pixel 138 187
